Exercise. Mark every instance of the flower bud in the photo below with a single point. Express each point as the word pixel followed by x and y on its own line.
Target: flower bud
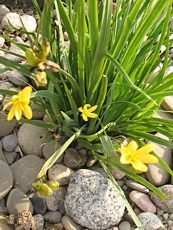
pixel 31 58
pixel 54 185
pixel 41 78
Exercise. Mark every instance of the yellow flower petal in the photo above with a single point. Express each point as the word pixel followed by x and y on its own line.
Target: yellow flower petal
pixel 139 166
pixel 147 158
pixel 27 111
pixel 86 106
pixel 85 117
pixel 18 112
pixel 92 109
pixel 25 94
pixel 92 115
pixel 11 113
pixel 7 105
pixel 132 146
pixel 145 149
pixel 81 109
pixel 124 160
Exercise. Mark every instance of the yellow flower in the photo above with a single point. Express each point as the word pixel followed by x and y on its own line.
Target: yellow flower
pixel 87 111
pixel 20 104
pixel 41 78
pixel 138 157
pixel 54 185
pixel 31 58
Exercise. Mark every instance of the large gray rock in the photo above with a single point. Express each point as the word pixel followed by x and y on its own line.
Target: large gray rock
pixel 6 179
pixel 6 127
pixel 156 174
pixel 25 171
pixel 17 202
pixel 31 139
pixel 149 221
pixel 92 201
pixel 165 205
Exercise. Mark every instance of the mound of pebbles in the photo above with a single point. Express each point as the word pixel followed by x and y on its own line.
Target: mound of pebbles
pixel 86 198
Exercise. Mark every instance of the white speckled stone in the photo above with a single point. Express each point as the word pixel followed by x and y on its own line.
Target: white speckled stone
pixel 92 201
pixel 150 221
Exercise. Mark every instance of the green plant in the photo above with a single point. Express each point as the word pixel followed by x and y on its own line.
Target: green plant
pixel 109 63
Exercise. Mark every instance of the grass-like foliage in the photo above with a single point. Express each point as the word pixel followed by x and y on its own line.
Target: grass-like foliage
pixel 108 64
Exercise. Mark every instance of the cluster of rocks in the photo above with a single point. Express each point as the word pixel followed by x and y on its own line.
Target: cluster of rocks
pixel 86 199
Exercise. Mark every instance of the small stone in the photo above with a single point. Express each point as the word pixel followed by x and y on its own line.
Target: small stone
pixel 171 216
pixel 38 222
pixel 165 216
pixel 3 11
pixel 60 173
pixel 170 223
pixel 91 161
pixel 73 159
pixel 142 201
pixel 11 157
pixel 3 209
pixel 156 174
pixel 6 127
pixel 17 78
pixel 125 225
pixel 4 225
pixel 39 205
pixel 31 138
pixel 134 185
pixel 6 179
pixel 53 200
pixel 37 112
pixel 17 50
pixel 69 224
pixel 117 174
pixel 29 22
pixel 2 156
pixel 92 200
pixel 167 103
pixel 53 217
pixel 165 205
pixel 14 20
pixel 9 143
pixel 66 37
pixel 17 202
pixel 2 41
pixel 58 226
pixel 50 148
pixel 150 221
pixel 30 167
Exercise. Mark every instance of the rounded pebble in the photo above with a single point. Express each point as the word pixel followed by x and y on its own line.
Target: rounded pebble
pixel 150 221
pixel 17 202
pixel 14 19
pixel 6 127
pixel 125 225
pixel 31 139
pixel 6 179
pixel 73 159
pixel 69 224
pixel 53 217
pixel 143 201
pixel 60 173
pixel 9 143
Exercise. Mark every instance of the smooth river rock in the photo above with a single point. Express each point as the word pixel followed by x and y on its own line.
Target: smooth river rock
pixel 25 171
pixel 17 202
pixel 31 139
pixel 6 179
pixel 92 201
pixel 6 127
pixel 156 174
pixel 165 205
pixel 149 221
